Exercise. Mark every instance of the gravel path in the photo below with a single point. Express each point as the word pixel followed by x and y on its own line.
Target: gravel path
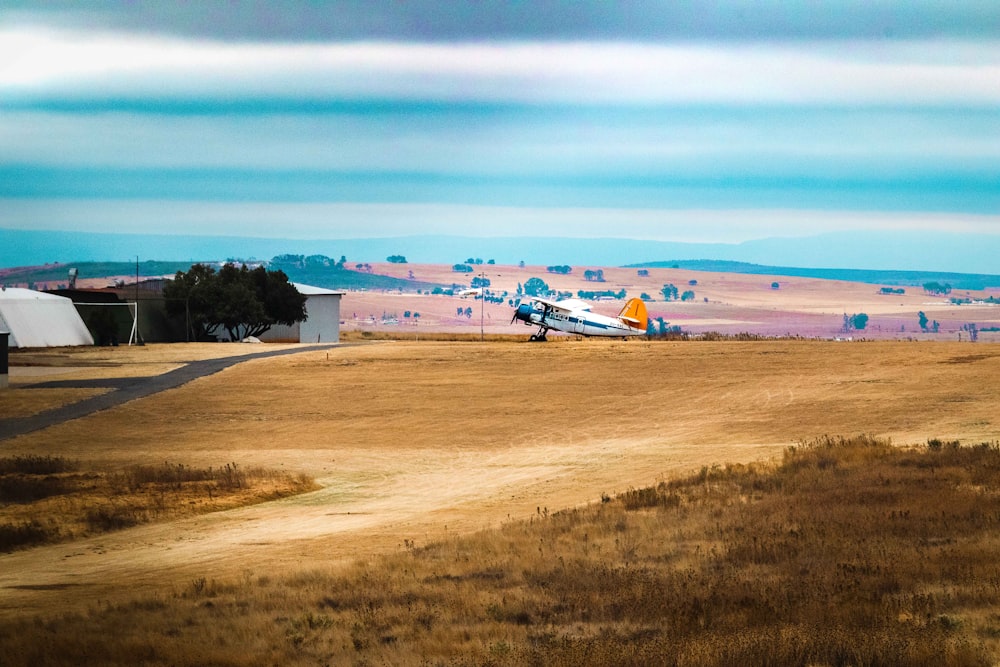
pixel 128 389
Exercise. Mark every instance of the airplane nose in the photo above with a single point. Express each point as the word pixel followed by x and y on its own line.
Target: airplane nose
pixel 523 313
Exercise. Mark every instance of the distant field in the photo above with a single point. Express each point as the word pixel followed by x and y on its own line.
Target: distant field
pixel 727 303
pixel 960 281
pixel 398 299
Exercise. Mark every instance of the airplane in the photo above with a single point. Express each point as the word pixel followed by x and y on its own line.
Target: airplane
pixel 574 316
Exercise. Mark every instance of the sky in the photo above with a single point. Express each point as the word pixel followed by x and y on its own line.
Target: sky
pixel 689 121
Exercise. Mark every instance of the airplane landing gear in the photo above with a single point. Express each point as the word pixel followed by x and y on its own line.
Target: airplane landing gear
pixel 538 337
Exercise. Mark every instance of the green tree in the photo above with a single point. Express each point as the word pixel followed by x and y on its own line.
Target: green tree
pixel 241 301
pixel 396 259
pixel 688 295
pixel 195 295
pixel 535 287
pixel 670 292
pixel 857 321
pixel 922 319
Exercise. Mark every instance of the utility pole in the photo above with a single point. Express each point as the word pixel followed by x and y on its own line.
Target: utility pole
pixel 482 304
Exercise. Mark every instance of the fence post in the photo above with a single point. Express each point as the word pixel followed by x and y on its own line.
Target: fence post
pixel 4 379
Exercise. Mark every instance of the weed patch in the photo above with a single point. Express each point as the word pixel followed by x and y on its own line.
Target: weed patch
pixel 47 499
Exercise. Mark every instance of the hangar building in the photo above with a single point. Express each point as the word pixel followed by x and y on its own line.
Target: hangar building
pixel 37 319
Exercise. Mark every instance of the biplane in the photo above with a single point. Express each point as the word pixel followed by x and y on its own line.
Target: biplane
pixel 574 316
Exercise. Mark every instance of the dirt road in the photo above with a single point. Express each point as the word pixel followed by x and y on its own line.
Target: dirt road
pixel 126 389
pixel 417 441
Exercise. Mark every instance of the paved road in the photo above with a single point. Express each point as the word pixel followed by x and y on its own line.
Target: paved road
pixel 128 389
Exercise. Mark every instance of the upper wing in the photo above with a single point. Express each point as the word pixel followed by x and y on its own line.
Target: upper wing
pixel 564 306
pixel 574 304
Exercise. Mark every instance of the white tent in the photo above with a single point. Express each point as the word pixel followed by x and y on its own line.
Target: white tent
pixel 36 319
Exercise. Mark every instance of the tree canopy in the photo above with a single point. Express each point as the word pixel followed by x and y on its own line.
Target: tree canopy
pixel 856 322
pixel 535 287
pixel 244 302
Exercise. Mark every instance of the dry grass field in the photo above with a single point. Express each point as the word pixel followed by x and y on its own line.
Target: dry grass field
pixel 417 446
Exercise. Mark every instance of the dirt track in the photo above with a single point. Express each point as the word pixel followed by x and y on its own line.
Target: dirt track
pixel 124 390
pixel 415 441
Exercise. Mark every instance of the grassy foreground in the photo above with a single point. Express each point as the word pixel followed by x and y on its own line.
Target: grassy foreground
pixel 47 499
pixel 846 552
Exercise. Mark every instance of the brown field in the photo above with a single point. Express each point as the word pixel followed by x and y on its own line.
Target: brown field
pixel 724 302
pixel 415 444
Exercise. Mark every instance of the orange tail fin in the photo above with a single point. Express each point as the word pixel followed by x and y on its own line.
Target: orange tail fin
pixel 634 314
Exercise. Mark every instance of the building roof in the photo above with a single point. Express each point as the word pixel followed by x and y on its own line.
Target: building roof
pixel 36 319
pixel 309 290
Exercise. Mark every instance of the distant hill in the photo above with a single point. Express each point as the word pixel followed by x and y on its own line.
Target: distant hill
pixel 968 281
pixel 906 251
pixel 322 271
pixel 59 273
pixel 317 275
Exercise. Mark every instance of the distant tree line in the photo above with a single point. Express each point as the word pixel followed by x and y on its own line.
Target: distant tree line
pixel 563 269
pixel 935 287
pixel 303 262
pixel 584 294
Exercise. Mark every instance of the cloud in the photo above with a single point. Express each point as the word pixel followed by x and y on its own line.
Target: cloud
pixel 51 63
pixel 539 20
pixel 328 220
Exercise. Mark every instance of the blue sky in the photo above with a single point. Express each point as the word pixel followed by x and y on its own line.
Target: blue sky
pixel 675 121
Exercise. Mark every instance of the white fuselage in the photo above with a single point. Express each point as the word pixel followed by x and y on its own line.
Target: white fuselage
pixel 582 322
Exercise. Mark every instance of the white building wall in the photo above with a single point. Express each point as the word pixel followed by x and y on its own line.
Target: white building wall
pixel 323 323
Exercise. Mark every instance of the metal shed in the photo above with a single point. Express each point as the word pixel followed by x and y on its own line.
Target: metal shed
pixel 323 319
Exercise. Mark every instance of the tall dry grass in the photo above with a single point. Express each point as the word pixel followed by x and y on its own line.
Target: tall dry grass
pixel 46 499
pixel 846 552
